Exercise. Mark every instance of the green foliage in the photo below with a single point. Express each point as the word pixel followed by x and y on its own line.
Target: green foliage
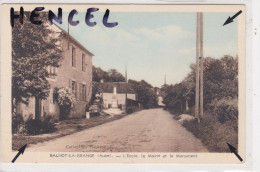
pixel 17 121
pixel 146 94
pixel 132 109
pixel 111 75
pixel 65 99
pixel 225 109
pixel 34 47
pixel 213 134
pixel 220 81
pixel 220 122
pixel 115 76
pixel 40 125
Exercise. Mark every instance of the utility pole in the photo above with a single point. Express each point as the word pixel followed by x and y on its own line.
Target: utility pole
pixel 199 68
pixel 125 89
pixel 201 65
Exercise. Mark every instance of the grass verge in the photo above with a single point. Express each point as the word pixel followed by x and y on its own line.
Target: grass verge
pixel 64 128
pixel 213 134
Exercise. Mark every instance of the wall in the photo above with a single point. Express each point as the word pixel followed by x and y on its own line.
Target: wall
pixel 107 98
pixel 65 74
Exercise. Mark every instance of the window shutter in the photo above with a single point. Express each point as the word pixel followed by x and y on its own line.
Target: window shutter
pixel 84 93
pixel 70 84
pixel 80 91
pixel 76 90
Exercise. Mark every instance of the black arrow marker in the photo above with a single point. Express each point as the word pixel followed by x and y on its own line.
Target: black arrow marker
pixel 230 19
pixel 234 150
pixel 21 151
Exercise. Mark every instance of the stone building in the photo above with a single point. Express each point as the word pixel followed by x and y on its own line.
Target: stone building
pixel 74 72
pixel 114 93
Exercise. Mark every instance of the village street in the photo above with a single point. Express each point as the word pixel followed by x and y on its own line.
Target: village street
pixel 152 130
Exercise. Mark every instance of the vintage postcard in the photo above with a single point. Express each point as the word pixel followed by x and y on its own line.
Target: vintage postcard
pixel 123 83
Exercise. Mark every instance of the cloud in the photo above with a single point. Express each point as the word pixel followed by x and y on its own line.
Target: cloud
pixel 149 52
pixel 218 52
pixel 165 33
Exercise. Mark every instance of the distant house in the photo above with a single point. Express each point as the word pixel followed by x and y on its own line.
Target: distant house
pixel 160 96
pixel 114 93
pixel 74 72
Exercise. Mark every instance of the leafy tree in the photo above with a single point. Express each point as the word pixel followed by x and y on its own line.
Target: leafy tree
pixel 145 93
pixel 34 47
pixel 115 76
pixel 99 74
pixel 220 81
pixel 111 76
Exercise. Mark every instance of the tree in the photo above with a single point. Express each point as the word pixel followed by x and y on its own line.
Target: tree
pixel 99 74
pixel 111 76
pixel 220 81
pixel 145 93
pixel 115 76
pixel 34 48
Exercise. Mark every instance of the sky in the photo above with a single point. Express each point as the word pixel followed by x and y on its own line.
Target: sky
pixel 153 44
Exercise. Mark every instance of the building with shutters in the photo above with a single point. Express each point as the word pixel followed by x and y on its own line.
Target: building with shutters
pixel 75 72
pixel 114 93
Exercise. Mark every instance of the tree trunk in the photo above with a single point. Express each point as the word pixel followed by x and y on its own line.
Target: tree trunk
pixel 37 108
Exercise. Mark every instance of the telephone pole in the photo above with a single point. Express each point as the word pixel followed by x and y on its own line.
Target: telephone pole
pixel 201 65
pixel 199 68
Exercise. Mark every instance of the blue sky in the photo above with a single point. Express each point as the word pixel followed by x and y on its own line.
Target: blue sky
pixel 154 44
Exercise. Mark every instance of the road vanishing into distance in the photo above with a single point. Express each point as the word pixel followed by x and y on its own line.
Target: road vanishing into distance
pixel 152 130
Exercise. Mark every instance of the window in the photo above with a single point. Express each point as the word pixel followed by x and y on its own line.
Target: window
pixel 52 71
pixel 73 57
pixel 74 88
pixel 82 88
pixel 84 92
pixel 83 63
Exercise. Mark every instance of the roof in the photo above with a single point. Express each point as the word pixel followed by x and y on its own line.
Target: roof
pixel 74 40
pixel 108 87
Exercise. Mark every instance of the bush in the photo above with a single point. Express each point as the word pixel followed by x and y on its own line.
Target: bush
pixel 17 121
pixel 213 134
pixel 40 126
pixel 132 109
pixel 65 99
pixel 94 114
pixel 225 109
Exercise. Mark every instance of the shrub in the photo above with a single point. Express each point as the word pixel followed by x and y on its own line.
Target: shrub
pixel 213 133
pixel 17 121
pixel 132 109
pixel 225 109
pixel 94 114
pixel 22 130
pixel 40 126
pixel 65 99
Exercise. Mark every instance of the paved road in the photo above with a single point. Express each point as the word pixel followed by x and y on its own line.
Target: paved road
pixel 152 130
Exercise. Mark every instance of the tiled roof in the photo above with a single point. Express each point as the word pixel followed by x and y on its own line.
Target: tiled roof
pixel 108 87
